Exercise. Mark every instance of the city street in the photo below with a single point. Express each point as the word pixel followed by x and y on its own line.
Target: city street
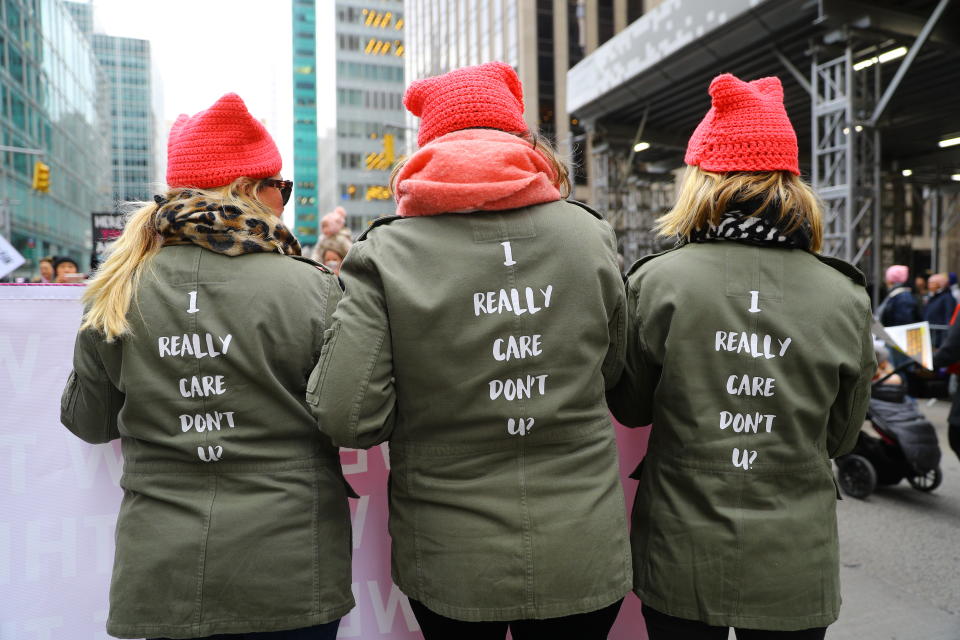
pixel 900 557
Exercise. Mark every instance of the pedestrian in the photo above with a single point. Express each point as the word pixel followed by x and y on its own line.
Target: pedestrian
pixel 45 265
pixel 199 331
pixel 751 355
pixel 900 306
pixel 940 306
pixel 65 270
pixel 334 241
pixel 478 331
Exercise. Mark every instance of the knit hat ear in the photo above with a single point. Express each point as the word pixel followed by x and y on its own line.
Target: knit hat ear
pixel 727 91
pixel 511 79
pixel 413 98
pixel 177 126
pixel 770 87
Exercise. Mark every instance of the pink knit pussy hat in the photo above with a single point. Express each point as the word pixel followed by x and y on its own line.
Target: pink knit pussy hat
pixel 219 145
pixel 746 129
pixel 897 274
pixel 488 95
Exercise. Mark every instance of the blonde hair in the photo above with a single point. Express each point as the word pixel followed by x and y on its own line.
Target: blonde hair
pixel 704 197
pixel 113 288
pixel 539 143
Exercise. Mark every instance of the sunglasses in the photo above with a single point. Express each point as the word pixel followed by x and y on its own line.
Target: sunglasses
pixel 285 186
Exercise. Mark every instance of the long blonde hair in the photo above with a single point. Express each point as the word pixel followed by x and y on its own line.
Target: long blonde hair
pixel 704 197
pixel 113 288
pixel 539 143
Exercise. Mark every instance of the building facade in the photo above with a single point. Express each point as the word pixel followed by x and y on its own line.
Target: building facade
pixel 49 78
pixel 305 143
pixel 371 123
pixel 134 99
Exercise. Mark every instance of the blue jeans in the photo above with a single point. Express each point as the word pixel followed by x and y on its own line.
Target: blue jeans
pixel 326 631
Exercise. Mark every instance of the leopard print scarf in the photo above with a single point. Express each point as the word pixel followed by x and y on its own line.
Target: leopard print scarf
pixel 189 219
pixel 742 223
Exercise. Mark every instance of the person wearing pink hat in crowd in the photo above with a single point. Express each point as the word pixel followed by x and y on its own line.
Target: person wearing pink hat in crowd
pixel 335 240
pixel 900 306
pixel 198 333
pixel 751 356
pixel 479 330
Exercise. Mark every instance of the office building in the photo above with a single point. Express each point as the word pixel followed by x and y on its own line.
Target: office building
pixel 305 144
pixel 49 79
pixel 131 88
pixel 371 122
pixel 135 108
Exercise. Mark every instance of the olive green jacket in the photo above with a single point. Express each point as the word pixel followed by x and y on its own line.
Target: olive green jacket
pixel 753 364
pixel 480 345
pixel 234 515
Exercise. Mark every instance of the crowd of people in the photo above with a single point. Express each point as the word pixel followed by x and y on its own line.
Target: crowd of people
pixel 59 270
pixel 486 332
pixel 933 299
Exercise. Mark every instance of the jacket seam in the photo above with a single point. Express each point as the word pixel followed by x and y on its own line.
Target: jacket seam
pixel 362 389
pixel 201 565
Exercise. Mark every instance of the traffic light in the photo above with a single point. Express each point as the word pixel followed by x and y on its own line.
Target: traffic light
pixel 41 176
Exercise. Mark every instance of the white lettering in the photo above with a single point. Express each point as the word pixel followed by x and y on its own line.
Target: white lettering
pixel 750 386
pixel 202 386
pixel 508 255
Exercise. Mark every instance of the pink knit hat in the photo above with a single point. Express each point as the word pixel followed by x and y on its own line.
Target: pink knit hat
pixel 488 95
pixel 897 274
pixel 219 145
pixel 746 129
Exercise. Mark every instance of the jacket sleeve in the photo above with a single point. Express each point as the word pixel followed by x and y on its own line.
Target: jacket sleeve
pixel 351 390
pixel 90 402
pixel 631 399
pixel 949 351
pixel 850 406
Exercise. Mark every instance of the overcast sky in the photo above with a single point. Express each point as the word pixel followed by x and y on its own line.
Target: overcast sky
pixel 206 48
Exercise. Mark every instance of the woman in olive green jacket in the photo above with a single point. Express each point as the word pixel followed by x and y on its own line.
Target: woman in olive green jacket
pixel 199 334
pixel 480 343
pixel 752 356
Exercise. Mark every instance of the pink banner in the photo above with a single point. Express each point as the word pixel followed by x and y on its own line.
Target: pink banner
pixel 60 496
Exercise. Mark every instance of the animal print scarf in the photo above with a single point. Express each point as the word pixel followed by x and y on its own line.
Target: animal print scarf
pixel 226 229
pixel 742 223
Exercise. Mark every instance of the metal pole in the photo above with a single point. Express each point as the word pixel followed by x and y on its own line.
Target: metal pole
pixel 907 61
pixel 935 230
pixel 850 140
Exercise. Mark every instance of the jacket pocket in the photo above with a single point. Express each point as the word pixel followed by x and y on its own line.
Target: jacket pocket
pixel 315 381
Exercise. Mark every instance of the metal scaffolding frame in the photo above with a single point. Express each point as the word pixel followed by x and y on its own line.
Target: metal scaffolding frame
pixel 845 163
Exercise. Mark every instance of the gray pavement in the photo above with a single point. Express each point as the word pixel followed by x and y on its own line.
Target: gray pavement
pixel 900 557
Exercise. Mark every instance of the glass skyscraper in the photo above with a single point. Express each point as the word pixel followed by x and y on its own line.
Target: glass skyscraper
pixel 131 89
pixel 133 98
pixel 49 78
pixel 306 221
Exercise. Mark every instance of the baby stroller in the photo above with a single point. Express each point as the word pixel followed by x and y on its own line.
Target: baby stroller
pixel 907 446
